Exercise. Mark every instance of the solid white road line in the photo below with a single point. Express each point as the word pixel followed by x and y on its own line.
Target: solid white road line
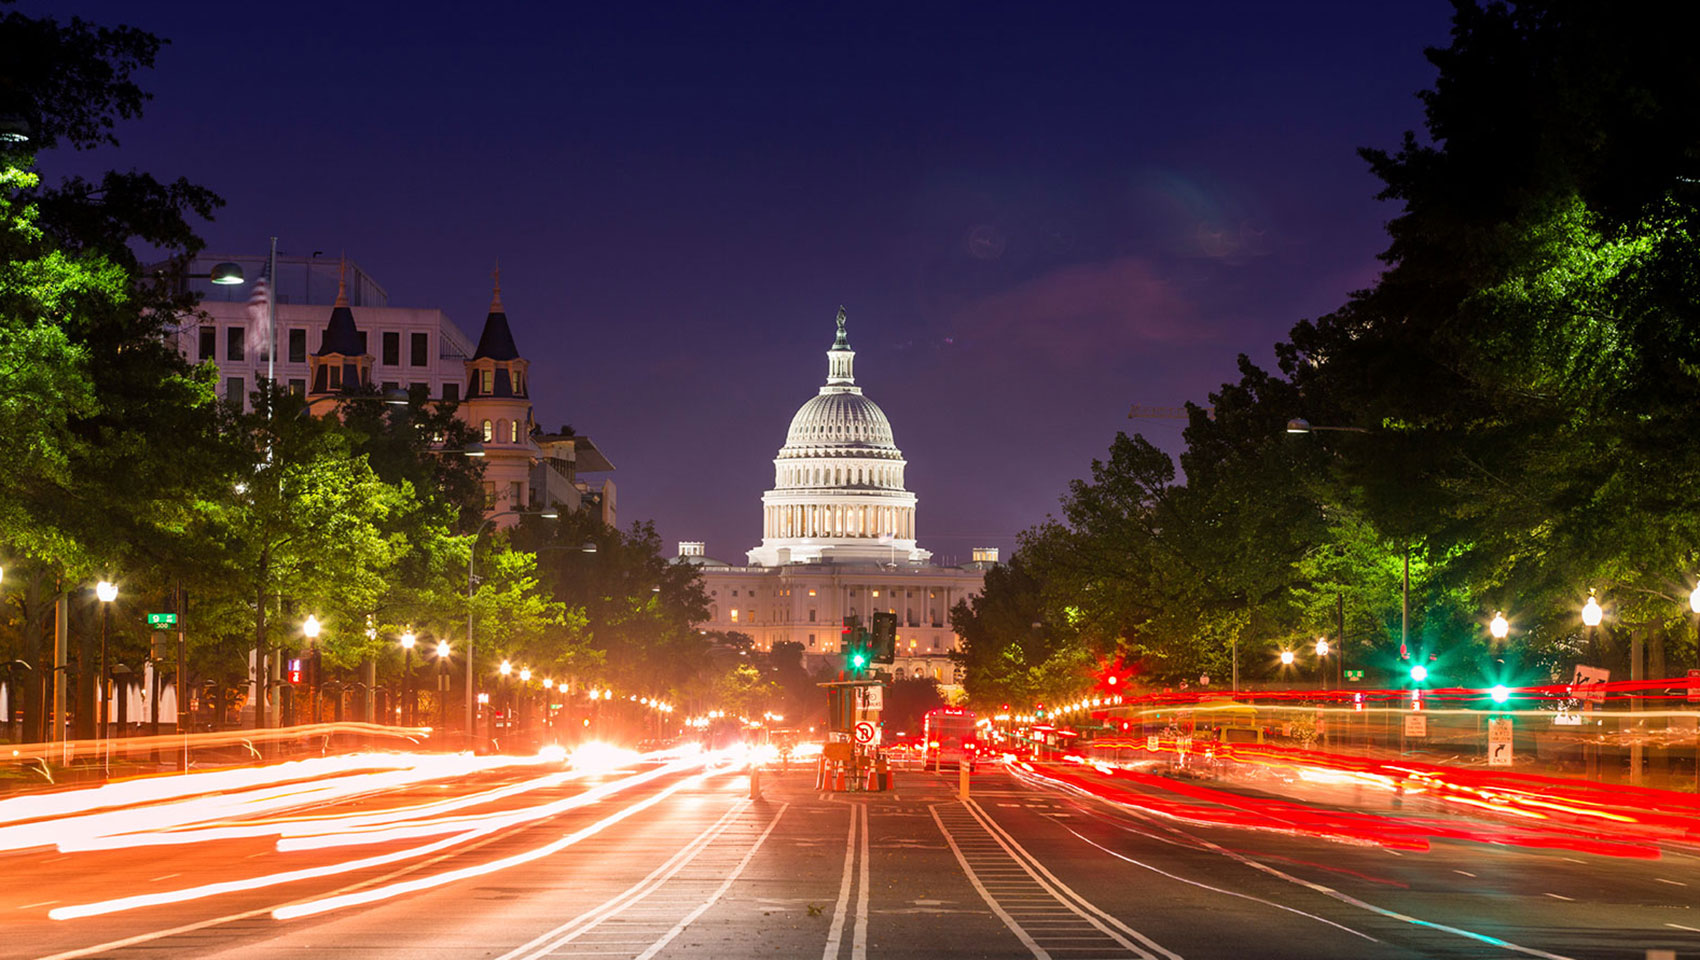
pixel 549 941
pixel 1323 889
pixel 835 934
pixel 1065 894
pixel 720 891
pixel 1230 893
pixel 1020 932
pixel 859 941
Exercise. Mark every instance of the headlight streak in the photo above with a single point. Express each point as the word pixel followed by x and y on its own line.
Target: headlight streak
pixel 315 824
pixel 313 907
pixel 150 825
pixel 252 883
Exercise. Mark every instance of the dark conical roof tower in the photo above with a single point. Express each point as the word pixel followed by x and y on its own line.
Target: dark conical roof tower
pixel 342 337
pixel 497 341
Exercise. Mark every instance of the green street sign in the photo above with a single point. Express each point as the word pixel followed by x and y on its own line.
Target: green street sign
pixel 1354 674
pixel 160 621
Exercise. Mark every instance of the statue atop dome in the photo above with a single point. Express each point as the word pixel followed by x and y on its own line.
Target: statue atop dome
pixel 843 340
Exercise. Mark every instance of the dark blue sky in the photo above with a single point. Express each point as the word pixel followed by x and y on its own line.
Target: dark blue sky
pixel 1035 214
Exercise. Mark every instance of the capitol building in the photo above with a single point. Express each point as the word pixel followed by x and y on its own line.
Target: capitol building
pixel 839 541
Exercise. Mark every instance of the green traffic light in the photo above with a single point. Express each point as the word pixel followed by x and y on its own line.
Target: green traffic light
pixel 858 660
pixel 1419 673
pixel 1500 693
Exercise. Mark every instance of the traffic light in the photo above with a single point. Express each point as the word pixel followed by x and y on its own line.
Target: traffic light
pixel 1419 673
pixel 1499 693
pixel 884 645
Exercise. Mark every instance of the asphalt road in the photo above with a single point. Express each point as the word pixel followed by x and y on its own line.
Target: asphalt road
pixel 686 865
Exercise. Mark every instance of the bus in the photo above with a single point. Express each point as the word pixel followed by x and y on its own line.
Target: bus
pixel 949 737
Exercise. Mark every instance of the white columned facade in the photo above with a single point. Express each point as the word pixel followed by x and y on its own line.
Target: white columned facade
pixel 838 489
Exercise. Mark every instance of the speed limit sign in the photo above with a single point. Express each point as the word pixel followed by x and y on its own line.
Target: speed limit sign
pixel 865 732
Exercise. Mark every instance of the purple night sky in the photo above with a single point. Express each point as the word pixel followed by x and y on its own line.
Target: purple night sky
pixel 1036 215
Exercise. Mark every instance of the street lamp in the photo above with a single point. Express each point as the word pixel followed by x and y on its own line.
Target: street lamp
pixel 310 629
pixel 548 513
pixel 1694 600
pixel 1591 612
pixel 107 591
pixel 407 642
pixel 1286 658
pixel 1499 627
pixel 443 686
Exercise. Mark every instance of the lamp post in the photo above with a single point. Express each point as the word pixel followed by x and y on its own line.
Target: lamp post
pixel 310 630
pixel 409 714
pixel 471 578
pixel 504 703
pixel 107 591
pixel 1322 651
pixel 523 730
pixel 443 686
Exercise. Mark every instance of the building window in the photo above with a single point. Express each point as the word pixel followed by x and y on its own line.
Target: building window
pixel 489 434
pixel 811 640
pixel 297 345
pixel 336 376
pixel 235 343
pixel 516 494
pixel 489 378
pixel 392 348
pixel 451 392
pixel 233 392
pixel 209 344
pixel 514 432
pixel 734 618
pixel 811 616
pixel 420 350
pixel 298 386
pixel 489 494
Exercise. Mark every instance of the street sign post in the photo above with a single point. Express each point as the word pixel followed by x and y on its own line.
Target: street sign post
pixel 162 621
pixel 1499 742
pixel 1694 686
pixel 1416 725
pixel 1354 675
pixel 1584 685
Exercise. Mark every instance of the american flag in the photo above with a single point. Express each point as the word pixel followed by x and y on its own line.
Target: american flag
pixel 259 317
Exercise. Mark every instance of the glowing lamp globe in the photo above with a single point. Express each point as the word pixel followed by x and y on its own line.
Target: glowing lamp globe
pixel 408 640
pixel 310 627
pixel 1322 647
pixel 1499 627
pixel 1591 612
pixel 106 591
pixel 1286 658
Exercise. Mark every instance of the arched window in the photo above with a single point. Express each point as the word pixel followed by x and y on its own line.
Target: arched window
pixel 489 431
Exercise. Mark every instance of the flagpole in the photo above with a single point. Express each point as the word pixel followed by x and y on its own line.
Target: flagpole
pixel 271 327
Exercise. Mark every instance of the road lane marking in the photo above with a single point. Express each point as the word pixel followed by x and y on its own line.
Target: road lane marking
pixel 584 923
pixel 1464 872
pixel 859 940
pixel 732 877
pixel 1560 896
pixel 166 877
pixel 835 934
pixel 1323 889
pixel 44 903
pixel 1066 900
pixel 1020 932
pixel 1674 883
pixel 1681 927
pixel 1231 893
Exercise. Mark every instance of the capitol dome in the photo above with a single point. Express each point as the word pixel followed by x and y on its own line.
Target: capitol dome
pixel 840 420
pixel 838 481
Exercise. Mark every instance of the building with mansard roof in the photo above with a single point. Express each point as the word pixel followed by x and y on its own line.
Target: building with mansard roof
pixel 352 340
pixel 839 541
